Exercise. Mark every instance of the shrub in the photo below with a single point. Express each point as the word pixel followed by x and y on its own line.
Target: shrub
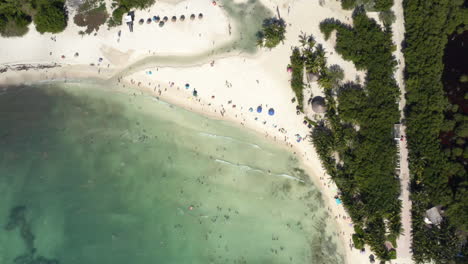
pixel 297 65
pixel 464 78
pixel 383 5
pixel 358 241
pixel 14 20
pixel 462 129
pixel 348 4
pixel 387 17
pixel 123 6
pixel 15 28
pixel 91 18
pixel 51 17
pixel 117 14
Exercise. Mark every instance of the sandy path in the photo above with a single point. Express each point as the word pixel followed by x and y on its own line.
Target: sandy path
pixel 404 241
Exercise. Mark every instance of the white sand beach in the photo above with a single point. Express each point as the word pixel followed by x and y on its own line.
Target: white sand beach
pixel 228 82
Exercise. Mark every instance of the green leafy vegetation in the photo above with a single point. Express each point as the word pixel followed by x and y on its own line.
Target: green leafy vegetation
pixel 355 142
pixel 17 15
pixel 91 14
pixel 124 6
pixel 311 58
pixel 387 17
pixel 438 171
pixel 371 5
pixel 297 75
pixel 358 241
pixel 14 17
pixel 51 16
pixel 272 33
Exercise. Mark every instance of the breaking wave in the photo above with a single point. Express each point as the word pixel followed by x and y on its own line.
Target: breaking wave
pixel 248 168
pixel 230 138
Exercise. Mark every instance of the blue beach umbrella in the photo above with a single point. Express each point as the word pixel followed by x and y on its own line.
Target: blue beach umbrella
pixel 250 109
pixel 187 86
pixel 259 109
pixel 271 111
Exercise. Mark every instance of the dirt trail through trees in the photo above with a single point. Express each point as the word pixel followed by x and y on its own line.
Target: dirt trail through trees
pixel 404 254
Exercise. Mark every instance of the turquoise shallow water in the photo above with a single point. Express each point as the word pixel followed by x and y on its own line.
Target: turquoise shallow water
pixel 109 177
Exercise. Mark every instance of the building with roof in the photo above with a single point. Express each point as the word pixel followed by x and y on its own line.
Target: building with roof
pixel 129 20
pixel 397 131
pixel 433 217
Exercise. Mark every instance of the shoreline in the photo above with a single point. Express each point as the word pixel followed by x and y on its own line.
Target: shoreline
pixel 158 62
pixel 303 151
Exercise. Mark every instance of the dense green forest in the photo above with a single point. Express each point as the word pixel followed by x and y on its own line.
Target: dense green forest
pixel 438 176
pixel 16 15
pixel 355 141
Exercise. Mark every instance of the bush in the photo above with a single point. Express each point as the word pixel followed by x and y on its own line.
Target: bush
pixel 272 32
pixel 51 16
pixel 383 5
pixel 348 4
pixel 117 14
pixel 297 65
pixel 456 152
pixel 14 20
pixel 91 18
pixel 15 28
pixel 464 78
pixel 448 125
pixel 387 17
pixel 462 129
pixel 375 5
pixel 358 241
pixel 124 6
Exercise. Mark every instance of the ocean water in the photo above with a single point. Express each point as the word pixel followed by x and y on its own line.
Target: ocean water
pixel 96 175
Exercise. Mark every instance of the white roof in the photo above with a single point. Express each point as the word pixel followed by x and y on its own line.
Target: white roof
pixel 128 18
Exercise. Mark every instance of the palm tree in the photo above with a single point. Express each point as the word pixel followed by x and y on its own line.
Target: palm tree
pixel 320 59
pixel 307 42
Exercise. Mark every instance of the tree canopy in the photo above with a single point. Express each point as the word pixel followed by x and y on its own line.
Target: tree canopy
pixel 14 18
pixel 16 15
pixel 371 5
pixel 51 16
pixel 355 142
pixel 437 177
pixel 272 33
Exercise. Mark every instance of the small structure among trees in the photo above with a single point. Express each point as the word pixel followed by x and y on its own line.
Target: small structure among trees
pixel 433 216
